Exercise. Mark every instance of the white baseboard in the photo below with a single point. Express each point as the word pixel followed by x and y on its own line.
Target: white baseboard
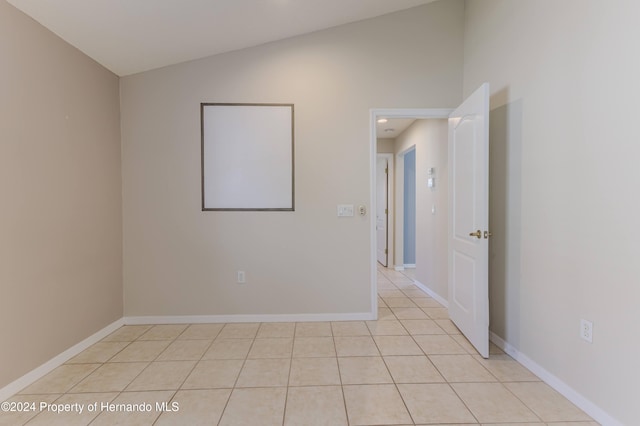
pixel 199 319
pixel 444 302
pixel 399 268
pixel 409 266
pixel 561 387
pixel 39 372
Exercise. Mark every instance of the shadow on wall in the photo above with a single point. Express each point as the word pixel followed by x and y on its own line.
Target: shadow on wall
pixel 505 185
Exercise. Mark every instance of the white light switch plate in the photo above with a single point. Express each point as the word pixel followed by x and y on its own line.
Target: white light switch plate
pixel 345 210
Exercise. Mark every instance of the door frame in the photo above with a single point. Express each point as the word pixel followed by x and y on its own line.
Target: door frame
pixel 390 205
pixel 374 114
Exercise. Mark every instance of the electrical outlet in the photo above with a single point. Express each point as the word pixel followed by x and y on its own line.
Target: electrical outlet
pixel 242 278
pixel 586 330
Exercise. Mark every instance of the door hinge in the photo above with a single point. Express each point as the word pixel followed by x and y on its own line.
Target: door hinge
pixel 385 251
pixel 386 170
pixel 386 211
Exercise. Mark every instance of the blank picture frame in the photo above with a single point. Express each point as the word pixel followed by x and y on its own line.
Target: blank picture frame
pixel 247 157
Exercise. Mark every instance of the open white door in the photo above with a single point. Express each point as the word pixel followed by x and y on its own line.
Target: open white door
pixel 469 218
pixel 382 210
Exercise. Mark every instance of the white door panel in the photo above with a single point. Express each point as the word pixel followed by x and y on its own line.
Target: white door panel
pixel 464 271
pixel 469 209
pixel 382 211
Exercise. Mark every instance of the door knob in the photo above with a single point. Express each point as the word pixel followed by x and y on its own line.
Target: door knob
pixel 477 234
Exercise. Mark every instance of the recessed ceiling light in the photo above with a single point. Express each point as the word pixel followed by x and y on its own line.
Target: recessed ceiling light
pixel 382 120
pixel 389 130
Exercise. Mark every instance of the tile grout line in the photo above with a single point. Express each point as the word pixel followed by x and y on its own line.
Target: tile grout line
pixel 244 361
pixel 404 403
pixel 524 403
pixel 144 369
pixel 177 339
pixel 447 382
pixel 344 398
pixel 382 304
pixel 121 392
pixel 286 392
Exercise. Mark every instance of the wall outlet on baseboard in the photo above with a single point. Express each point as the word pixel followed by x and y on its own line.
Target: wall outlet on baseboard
pixel 586 330
pixel 242 278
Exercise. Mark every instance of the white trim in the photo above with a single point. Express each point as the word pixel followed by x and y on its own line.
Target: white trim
pixel 598 414
pixel 373 249
pixel 200 319
pixel 409 266
pixel 17 385
pixel 411 112
pixel 444 302
pixel 399 268
pixel 39 372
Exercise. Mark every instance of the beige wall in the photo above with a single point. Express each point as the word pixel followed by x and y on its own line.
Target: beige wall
pixel 429 137
pixel 564 186
pixel 385 145
pixel 182 261
pixel 60 221
pixel 563 180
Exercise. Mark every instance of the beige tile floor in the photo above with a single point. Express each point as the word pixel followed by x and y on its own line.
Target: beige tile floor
pixel 411 367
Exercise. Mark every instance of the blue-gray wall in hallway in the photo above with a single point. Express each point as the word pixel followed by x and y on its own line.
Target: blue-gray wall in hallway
pixel 410 208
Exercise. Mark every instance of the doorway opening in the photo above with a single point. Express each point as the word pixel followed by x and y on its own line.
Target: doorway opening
pixel 396 227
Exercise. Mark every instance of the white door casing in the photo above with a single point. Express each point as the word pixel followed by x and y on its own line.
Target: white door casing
pixel 469 218
pixel 382 212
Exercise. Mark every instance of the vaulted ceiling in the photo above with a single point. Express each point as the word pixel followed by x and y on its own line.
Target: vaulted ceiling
pixel 131 36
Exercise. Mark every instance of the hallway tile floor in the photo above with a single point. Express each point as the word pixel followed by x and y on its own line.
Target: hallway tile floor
pixel 410 367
